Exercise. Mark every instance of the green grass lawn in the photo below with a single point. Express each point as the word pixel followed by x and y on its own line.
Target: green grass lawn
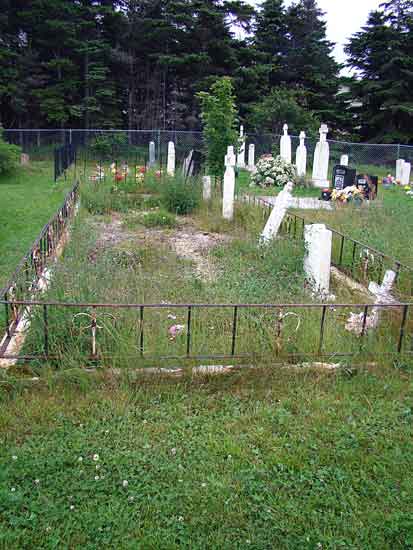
pixel 267 459
pixel 28 198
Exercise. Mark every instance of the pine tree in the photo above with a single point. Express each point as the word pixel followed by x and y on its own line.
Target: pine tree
pixel 382 54
pixel 308 62
pixel 270 40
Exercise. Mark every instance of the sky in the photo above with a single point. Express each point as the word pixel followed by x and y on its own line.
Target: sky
pixel 344 18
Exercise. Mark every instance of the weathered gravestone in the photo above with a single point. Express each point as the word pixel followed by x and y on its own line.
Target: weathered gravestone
pixel 206 188
pixel 321 159
pixel 152 159
pixel 358 322
pixel 281 205
pixel 251 157
pixel 241 154
pixel 24 159
pixel 192 164
pixel 170 166
pixel 301 157
pixel 229 185
pixel 344 160
pixel 317 262
pixel 406 173
pixel 285 145
pixel 399 169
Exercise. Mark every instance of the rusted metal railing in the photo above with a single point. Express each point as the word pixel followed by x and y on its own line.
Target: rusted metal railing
pixel 29 276
pixel 240 329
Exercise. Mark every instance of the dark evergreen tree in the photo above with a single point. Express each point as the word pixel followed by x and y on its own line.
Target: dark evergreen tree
pixel 308 63
pixel 270 40
pixel 382 55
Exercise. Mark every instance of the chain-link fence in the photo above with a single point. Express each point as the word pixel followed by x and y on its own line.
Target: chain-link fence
pixel 364 156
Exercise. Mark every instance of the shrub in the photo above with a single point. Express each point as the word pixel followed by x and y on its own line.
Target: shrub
pixel 110 145
pixel 9 156
pixel 159 219
pixel 219 118
pixel 273 172
pixel 180 197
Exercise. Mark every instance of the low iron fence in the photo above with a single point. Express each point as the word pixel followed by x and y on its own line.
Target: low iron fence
pixel 356 259
pixel 118 332
pixel 29 277
pixel 64 157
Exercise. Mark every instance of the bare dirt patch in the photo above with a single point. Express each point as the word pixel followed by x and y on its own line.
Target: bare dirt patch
pixel 187 241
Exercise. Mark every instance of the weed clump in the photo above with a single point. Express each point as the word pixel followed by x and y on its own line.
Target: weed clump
pixel 159 219
pixel 180 197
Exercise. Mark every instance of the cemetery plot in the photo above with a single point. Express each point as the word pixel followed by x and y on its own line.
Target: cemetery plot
pixel 114 259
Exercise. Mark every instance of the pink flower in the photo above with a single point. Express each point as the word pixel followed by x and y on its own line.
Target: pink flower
pixel 175 330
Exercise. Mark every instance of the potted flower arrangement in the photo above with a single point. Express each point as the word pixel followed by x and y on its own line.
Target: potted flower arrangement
pixel 347 195
pixel 273 172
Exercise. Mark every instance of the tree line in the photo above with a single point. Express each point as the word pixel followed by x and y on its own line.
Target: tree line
pixel 139 64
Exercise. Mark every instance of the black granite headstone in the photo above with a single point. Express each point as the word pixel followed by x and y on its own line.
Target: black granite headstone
pixel 343 176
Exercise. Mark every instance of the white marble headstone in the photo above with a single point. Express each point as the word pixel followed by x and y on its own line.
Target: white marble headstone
pixel 170 167
pixel 406 173
pixel 241 154
pixel 282 203
pixel 321 159
pixel 151 153
pixel 344 160
pixel 251 157
pixel 229 185
pixel 399 169
pixel 317 262
pixel 301 157
pixel 285 145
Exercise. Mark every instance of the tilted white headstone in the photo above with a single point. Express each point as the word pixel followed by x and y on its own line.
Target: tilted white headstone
pixel 301 157
pixel 406 173
pixel 399 169
pixel 170 166
pixel 321 159
pixel 206 188
pixel 151 153
pixel 229 185
pixel 251 157
pixel 383 295
pixel 344 160
pixel 317 262
pixel 285 145
pixel 241 154
pixel 281 205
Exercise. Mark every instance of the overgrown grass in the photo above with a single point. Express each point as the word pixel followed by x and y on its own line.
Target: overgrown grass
pixel 385 224
pixel 266 459
pixel 28 198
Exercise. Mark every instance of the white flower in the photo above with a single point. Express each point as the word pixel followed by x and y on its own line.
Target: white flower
pixel 125 483
pixel 173 451
pixel 181 518
pixel 72 507
pixel 80 459
pixel 203 484
pixel 96 478
pixel 131 499
pixel 14 457
pixel 37 481
pixel 13 489
pixel 97 466
pixel 96 457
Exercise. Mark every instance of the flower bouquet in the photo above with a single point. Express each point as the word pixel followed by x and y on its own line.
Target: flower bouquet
pixel 347 195
pixel 273 172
